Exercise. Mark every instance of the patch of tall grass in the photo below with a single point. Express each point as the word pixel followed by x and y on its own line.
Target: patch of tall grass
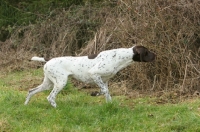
pixel 78 112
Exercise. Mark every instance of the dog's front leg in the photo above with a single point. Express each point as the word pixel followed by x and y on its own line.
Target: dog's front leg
pixel 104 86
pixel 107 95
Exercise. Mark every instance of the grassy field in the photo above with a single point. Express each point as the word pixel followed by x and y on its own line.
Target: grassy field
pixel 78 112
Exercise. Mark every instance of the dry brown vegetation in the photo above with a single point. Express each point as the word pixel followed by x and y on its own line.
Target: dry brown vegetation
pixel 170 28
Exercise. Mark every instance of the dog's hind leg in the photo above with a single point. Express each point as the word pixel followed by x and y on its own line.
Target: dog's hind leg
pixel 58 86
pixel 46 85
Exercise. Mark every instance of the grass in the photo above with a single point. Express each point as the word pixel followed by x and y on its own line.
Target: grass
pixel 78 112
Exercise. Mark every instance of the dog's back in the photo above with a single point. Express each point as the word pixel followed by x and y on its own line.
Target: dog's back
pixel 107 62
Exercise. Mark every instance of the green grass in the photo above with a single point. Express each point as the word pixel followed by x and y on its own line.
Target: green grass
pixel 78 112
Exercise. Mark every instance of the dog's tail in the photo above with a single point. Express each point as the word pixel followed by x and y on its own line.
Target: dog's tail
pixel 41 59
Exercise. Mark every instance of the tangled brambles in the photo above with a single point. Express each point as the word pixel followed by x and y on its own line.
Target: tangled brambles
pixel 170 28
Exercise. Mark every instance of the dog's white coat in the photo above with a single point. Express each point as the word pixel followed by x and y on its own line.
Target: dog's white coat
pixel 98 70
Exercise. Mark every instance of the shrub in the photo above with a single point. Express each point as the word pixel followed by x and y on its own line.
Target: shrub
pixel 170 28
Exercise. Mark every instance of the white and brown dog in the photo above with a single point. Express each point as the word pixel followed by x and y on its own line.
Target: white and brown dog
pixel 96 69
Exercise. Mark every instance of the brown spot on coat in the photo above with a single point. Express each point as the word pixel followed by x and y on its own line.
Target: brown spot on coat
pixel 92 56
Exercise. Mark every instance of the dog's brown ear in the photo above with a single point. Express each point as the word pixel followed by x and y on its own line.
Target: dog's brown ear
pixel 139 53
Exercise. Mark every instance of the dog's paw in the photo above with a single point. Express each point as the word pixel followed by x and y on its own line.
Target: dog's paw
pixel 96 93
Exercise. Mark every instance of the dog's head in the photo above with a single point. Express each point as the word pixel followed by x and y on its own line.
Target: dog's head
pixel 142 54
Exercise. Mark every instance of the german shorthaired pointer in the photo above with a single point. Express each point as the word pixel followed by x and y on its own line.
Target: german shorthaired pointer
pixel 96 69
